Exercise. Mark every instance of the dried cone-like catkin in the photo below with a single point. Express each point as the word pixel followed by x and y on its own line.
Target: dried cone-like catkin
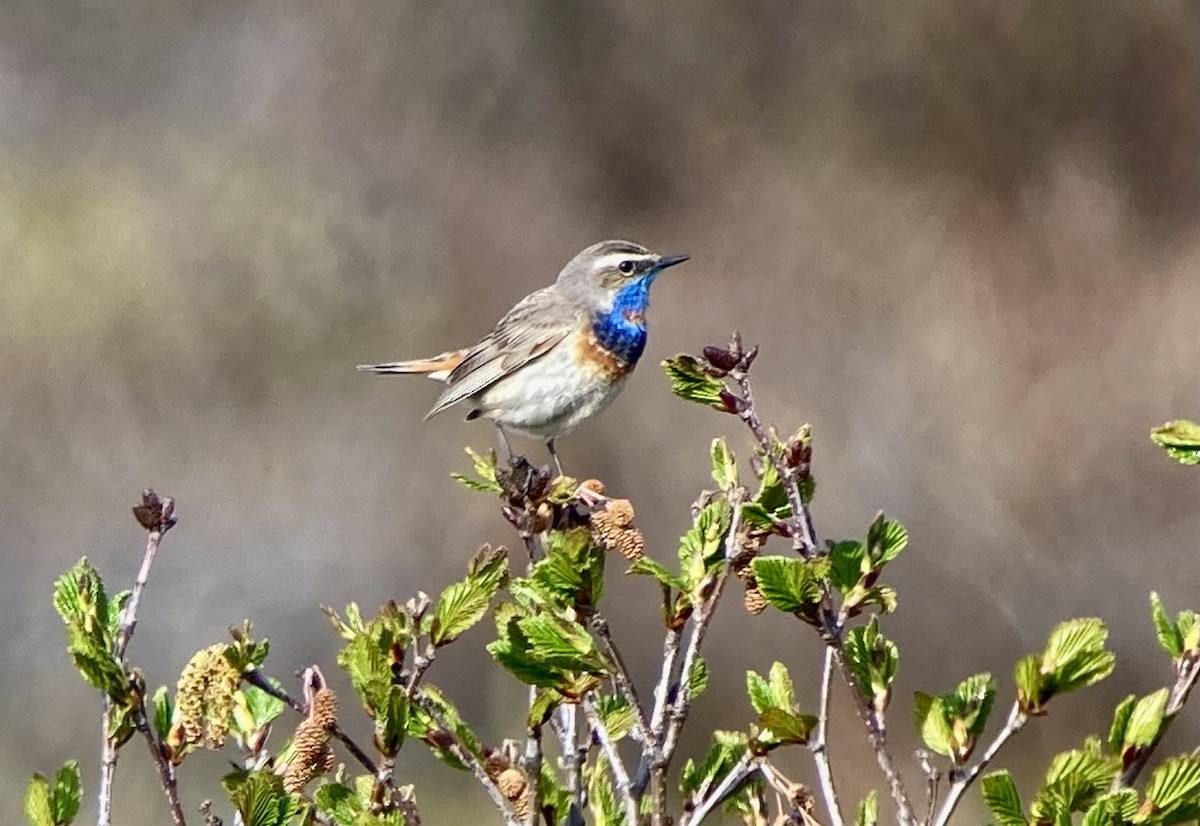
pixel 613 529
pixel 594 485
pixel 515 789
pixel 309 744
pixel 754 601
pixel 324 708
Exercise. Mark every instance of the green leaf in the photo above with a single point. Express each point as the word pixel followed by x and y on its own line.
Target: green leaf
pixel 791 585
pixel 260 799
pixel 783 690
pixel 1114 809
pixel 339 802
pixel 1180 439
pixel 1164 629
pixel 617 714
pixel 1093 770
pixel 37 802
pixel 724 465
pixel 649 567
pixel 691 382
pixel 484 465
pixel 572 572
pixel 1027 676
pixel 788 728
pixel 562 645
pixel 874 659
pixel 263 707
pixel 1075 656
pixel 1003 801
pixel 759 691
pixel 459 607
pixel 1146 720
pixel 1116 732
pixel 697 678
pixel 161 712
pixel 703 546
pixel 868 809
pixel 932 723
pixel 886 538
pixel 1174 784
pixel 847 564
pixel 602 799
pixel 726 750
pixel 1056 801
pixel 67 794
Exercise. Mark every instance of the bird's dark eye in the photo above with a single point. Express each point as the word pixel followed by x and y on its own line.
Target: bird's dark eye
pixel 626 267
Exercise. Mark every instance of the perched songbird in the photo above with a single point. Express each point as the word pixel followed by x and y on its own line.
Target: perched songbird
pixel 561 355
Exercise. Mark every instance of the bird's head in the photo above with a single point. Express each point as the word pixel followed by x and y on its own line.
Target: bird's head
pixel 614 272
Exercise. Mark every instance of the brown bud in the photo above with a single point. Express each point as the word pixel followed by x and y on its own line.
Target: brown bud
pixel 721 358
pixel 731 403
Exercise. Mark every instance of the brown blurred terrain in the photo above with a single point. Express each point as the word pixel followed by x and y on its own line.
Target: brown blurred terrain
pixel 963 232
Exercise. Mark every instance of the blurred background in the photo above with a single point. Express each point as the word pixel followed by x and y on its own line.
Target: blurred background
pixel 963 232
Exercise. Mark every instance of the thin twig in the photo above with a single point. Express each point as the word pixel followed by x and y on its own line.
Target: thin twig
pixel 933 777
pixel 642 730
pixel 257 679
pixel 820 745
pixel 163 520
pixel 620 776
pixel 166 772
pixel 1187 672
pixel 877 738
pixel 468 759
pixel 572 760
pixel 532 763
pixel 1016 720
pixel 662 691
pixel 747 765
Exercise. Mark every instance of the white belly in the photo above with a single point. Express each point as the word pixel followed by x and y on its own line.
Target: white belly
pixel 550 396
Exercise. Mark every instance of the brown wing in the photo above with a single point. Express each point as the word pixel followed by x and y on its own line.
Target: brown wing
pixel 529 330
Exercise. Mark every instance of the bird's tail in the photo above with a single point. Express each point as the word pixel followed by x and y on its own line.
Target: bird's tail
pixel 437 368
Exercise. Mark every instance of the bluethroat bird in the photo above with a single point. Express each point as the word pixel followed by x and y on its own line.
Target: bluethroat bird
pixel 561 355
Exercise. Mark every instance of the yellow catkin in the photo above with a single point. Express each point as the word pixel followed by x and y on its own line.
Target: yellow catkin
pixel 204 698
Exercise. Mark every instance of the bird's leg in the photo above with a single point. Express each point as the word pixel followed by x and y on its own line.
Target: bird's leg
pixel 504 446
pixel 554 456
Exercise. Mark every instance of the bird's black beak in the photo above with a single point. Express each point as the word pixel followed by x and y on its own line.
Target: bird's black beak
pixel 670 261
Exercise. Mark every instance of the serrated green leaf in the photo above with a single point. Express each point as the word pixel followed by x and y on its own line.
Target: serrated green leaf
pixel 67 793
pixel 542 707
pixel 617 714
pixel 788 728
pixel 724 464
pixel 1094 771
pixel 38 811
pixel 484 466
pixel 602 798
pixel 1174 784
pixel 976 695
pixel 759 691
pixel 703 545
pixel 783 690
pixel 868 809
pixel 1180 439
pixel 562 645
pixel 1056 801
pixel 263 707
pixel 459 607
pixel 1188 624
pixel 1027 676
pixel 886 538
pixel 873 659
pixel 1164 629
pixel 790 585
pixel 1116 732
pixel 572 572
pixel 726 750
pixel 340 802
pixel 649 567
pixel 1114 809
pixel 1075 657
pixel 1145 720
pixel 259 797
pixel 1002 799
pixel 932 723
pixel 690 382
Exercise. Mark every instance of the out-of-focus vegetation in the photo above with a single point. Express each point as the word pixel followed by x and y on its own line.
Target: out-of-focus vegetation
pixel 965 231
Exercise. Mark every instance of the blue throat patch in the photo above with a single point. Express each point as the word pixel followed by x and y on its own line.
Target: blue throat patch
pixel 622 330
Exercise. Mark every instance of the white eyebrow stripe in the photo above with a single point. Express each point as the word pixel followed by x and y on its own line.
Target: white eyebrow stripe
pixel 613 259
